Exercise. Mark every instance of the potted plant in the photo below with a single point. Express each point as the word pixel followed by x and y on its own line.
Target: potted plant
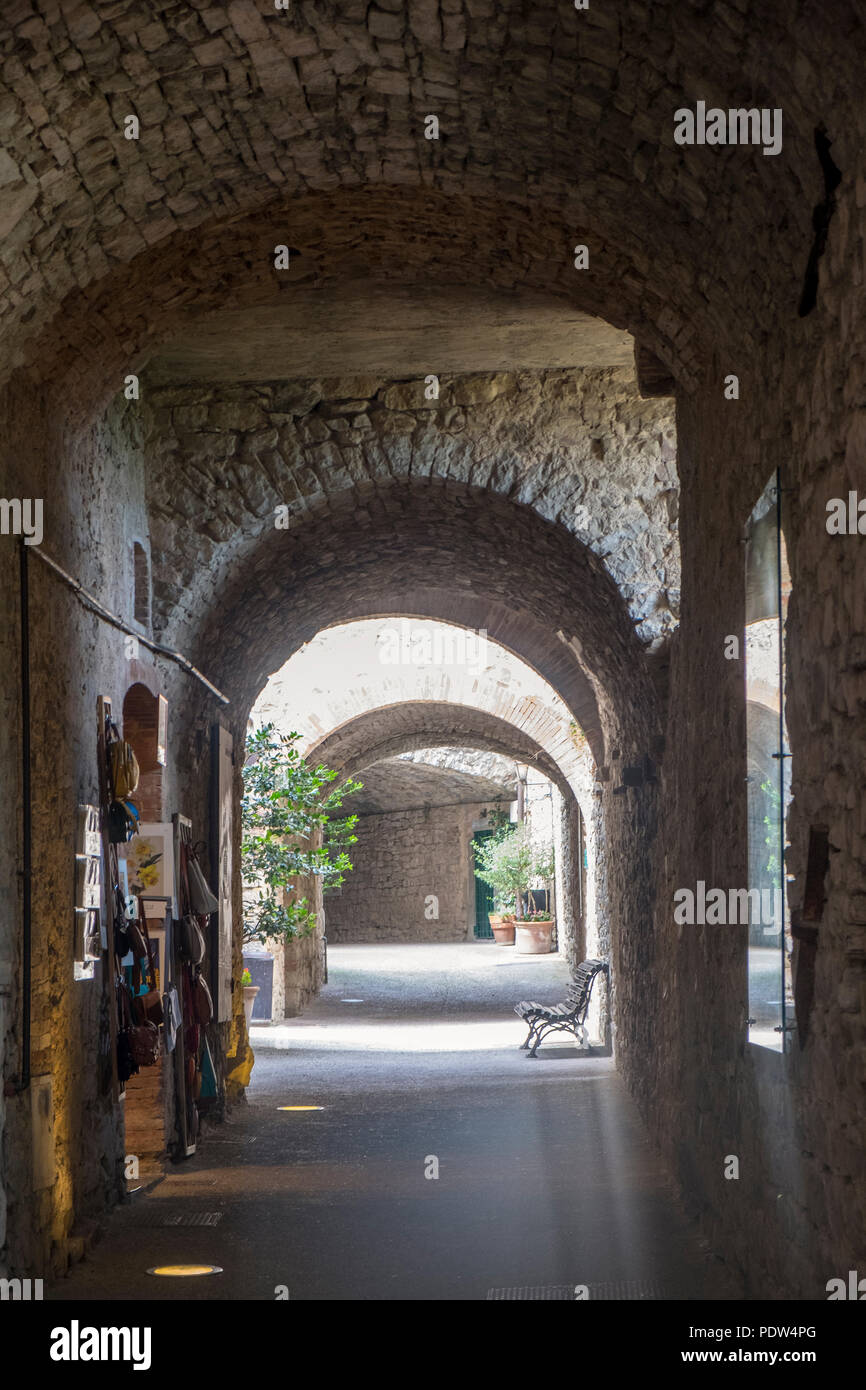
pixel 501 924
pixel 534 934
pixel 250 992
pixel 504 862
pixel 534 929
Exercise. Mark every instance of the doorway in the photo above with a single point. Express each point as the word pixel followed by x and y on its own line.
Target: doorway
pixel 483 895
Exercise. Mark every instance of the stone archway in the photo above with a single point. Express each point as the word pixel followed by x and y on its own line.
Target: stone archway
pixel 153 257
pixel 369 557
pixel 384 733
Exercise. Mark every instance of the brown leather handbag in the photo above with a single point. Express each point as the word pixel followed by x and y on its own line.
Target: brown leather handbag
pixel 144 1043
pixel 191 941
pixel 202 1000
pixel 142 1038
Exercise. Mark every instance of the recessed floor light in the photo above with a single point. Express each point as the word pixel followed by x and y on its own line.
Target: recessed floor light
pixel 300 1107
pixel 351 1001
pixel 184 1271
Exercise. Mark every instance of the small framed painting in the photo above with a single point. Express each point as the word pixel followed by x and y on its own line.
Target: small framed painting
pixel 149 860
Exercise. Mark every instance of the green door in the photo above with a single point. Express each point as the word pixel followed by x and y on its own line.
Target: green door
pixel 483 898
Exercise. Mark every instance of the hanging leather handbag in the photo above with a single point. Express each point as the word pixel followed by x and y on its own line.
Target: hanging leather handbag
pixel 121 924
pixel 126 1063
pixel 172 1018
pixel 202 1000
pixel 191 940
pixel 201 899
pixel 140 1045
pixel 122 766
pixel 144 1043
pixel 122 822
pixel 147 1007
pixel 191 1029
pixel 136 937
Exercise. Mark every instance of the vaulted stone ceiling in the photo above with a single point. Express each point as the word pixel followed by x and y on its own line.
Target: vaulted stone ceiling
pixel 244 109
pixel 479 762
pixel 395 785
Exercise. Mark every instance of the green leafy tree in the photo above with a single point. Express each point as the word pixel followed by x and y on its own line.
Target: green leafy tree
pixel 508 861
pixel 772 819
pixel 285 801
pixel 497 817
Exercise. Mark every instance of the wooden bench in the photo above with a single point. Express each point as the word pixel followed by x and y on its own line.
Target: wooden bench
pixel 569 1016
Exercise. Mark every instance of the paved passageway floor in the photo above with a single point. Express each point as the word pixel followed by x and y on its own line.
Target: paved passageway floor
pixel 546 1179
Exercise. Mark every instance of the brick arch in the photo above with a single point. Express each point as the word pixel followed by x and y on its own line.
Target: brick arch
pixel 141 731
pixel 526 732
pixel 427 548
pixel 242 111
pixel 385 731
pixel 391 730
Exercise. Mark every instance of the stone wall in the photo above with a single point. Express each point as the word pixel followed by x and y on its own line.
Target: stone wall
pixel 797 1121
pixel 90 520
pixel 92 484
pixel 400 860
pixel 588 450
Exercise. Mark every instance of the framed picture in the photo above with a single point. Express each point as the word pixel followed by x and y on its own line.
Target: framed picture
pixel 149 861
pixel 157 956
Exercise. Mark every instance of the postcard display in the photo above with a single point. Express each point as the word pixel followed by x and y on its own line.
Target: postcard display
pixel 90 935
pixel 159 942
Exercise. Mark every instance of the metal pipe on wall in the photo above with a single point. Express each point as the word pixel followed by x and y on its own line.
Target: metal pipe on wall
pixel 22 1081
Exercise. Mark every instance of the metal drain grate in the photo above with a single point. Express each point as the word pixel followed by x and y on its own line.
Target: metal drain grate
pixel 230 1139
pixel 629 1289
pixel 153 1219
pixel 528 1291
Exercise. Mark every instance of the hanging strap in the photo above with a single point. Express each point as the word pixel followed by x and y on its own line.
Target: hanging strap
pixel 150 980
pixel 186 906
pixel 170 948
pixel 125 1012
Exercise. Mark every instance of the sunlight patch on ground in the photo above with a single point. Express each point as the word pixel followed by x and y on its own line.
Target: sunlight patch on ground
pixel 381 1035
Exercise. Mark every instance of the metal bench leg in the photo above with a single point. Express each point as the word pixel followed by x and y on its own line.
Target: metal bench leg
pixel 528 1036
pixel 541 1033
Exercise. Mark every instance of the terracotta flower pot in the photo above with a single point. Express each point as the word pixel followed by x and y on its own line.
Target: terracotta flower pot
pixel 533 938
pixel 502 928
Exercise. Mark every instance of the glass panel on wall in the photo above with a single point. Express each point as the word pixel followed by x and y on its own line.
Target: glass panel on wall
pixel 769 775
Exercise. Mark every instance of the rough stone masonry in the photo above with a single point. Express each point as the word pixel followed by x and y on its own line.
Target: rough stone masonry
pixel 546 501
